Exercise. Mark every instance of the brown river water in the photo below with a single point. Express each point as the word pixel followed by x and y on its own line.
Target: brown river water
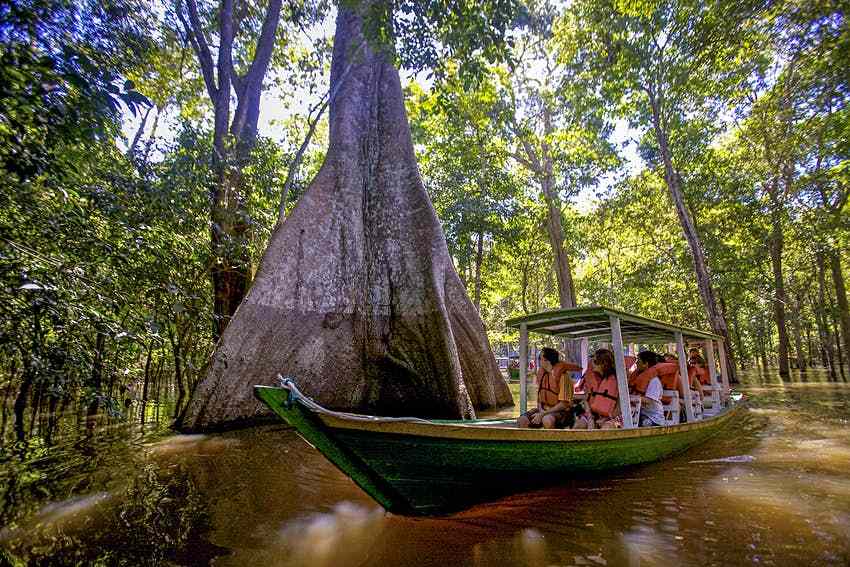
pixel 774 490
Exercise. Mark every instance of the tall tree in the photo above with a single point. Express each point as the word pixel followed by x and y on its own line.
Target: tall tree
pixel 670 65
pixel 356 296
pixel 240 67
pixel 559 140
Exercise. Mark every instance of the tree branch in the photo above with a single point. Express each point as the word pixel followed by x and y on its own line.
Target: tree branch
pixel 200 45
pixel 248 87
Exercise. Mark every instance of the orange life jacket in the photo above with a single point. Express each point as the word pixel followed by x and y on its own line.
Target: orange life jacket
pixel 549 383
pixel 701 373
pixel 602 394
pixel 667 372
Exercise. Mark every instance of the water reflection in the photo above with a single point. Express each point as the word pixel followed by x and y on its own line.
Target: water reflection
pixel 776 492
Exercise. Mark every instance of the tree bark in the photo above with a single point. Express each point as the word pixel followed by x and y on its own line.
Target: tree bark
pixel 703 275
pixel 841 297
pixel 777 242
pixel 356 297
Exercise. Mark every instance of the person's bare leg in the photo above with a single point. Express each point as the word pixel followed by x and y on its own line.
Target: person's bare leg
pixel 550 421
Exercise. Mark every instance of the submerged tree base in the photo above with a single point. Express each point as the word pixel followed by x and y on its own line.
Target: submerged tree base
pixel 357 298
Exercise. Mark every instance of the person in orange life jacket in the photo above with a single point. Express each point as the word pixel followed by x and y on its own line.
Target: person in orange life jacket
pixel 651 409
pixel 554 393
pixel 600 385
pixel 652 365
pixel 697 371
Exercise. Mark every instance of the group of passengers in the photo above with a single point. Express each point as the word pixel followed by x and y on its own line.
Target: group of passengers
pixel 593 402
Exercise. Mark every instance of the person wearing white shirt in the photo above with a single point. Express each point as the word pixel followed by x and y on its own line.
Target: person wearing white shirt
pixel 651 409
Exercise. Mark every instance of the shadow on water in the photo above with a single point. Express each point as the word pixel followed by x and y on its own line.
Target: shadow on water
pixel 774 490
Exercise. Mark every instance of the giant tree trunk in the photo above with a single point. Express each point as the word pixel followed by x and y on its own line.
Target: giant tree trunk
pixel 777 242
pixel 841 296
pixel 715 317
pixel 356 297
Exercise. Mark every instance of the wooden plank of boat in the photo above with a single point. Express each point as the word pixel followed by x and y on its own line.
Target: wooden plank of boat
pixel 417 466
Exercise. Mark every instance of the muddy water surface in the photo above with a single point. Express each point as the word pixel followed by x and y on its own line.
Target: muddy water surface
pixel 775 491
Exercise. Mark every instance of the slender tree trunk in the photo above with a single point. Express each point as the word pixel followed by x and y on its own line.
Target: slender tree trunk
pixel 96 377
pixel 777 243
pixel 149 143
pixel 810 347
pixel 132 149
pixel 479 259
pixel 796 319
pixel 821 315
pixel 147 381
pixel 736 331
pixel 841 297
pixel 21 404
pixel 563 270
pixel 762 349
pixel 701 269
pixel 836 332
pixel 180 383
pixel 357 297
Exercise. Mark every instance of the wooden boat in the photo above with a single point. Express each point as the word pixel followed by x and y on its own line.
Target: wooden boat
pixel 419 467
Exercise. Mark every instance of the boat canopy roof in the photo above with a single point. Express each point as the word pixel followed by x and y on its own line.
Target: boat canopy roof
pixel 594 322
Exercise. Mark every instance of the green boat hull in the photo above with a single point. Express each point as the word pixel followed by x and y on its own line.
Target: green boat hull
pixel 419 467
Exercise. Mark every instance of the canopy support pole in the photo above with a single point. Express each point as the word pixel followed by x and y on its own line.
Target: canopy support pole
pixel 724 369
pixel 683 376
pixel 620 366
pixel 585 347
pixel 523 368
pixel 712 371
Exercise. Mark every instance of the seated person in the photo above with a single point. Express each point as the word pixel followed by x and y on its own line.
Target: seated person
pixel 651 408
pixel 697 371
pixel 554 393
pixel 650 364
pixel 600 384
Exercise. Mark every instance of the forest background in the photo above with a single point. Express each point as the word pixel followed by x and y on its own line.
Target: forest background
pixel 136 200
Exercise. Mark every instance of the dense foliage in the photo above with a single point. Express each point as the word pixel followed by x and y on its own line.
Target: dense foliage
pixel 533 114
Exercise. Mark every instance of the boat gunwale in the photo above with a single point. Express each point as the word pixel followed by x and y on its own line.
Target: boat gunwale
pixel 420 427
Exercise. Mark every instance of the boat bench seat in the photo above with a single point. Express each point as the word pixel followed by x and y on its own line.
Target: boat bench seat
pixel 672 410
pixel 634 402
pixel 711 400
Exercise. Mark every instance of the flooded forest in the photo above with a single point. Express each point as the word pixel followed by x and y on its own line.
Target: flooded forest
pixel 169 170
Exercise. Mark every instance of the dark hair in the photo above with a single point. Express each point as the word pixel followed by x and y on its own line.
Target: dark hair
pixel 550 354
pixel 649 357
pixel 605 358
